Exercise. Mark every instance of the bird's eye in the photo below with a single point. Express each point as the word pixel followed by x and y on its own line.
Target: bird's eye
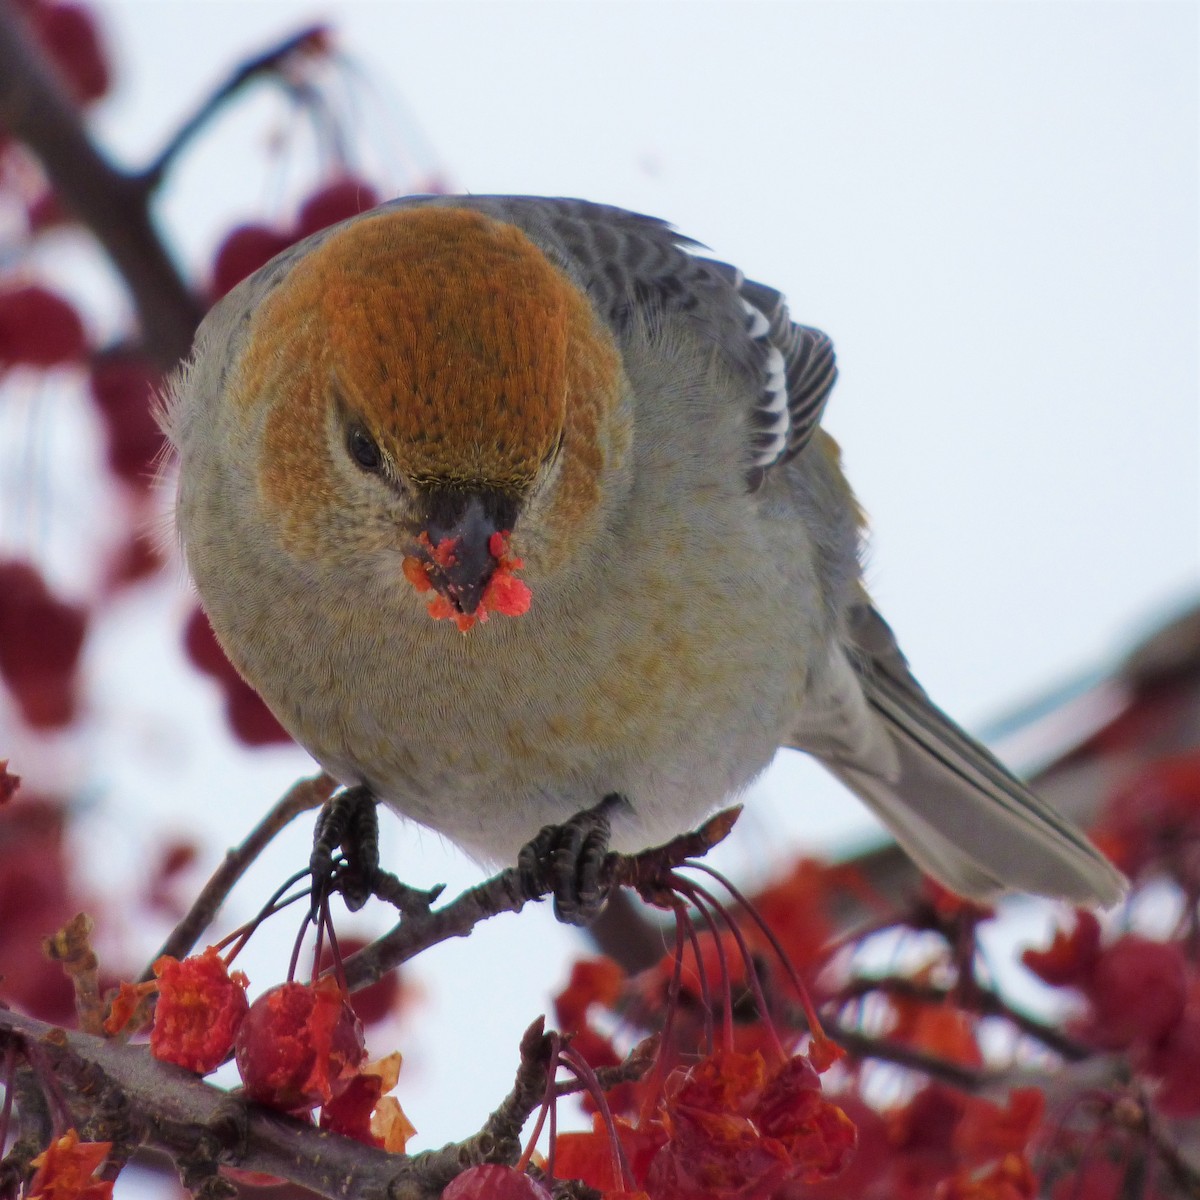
pixel 363 449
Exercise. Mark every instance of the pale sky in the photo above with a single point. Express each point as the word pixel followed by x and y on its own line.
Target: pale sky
pixel 992 209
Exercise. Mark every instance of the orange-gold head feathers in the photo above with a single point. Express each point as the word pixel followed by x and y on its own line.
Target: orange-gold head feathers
pixel 449 345
pixel 447 332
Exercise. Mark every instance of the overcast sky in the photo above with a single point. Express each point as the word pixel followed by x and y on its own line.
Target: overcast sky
pixel 991 207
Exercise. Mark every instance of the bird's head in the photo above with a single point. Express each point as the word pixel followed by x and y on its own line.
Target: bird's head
pixel 439 396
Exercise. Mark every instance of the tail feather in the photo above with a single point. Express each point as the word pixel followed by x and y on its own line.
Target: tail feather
pixel 953 806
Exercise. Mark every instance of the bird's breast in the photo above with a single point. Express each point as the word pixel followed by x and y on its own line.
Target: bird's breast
pixel 675 698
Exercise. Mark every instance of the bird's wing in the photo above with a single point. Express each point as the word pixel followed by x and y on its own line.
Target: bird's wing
pixel 952 805
pixel 635 267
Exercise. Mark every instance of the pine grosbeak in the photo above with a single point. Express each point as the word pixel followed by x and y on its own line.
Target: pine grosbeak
pixel 506 504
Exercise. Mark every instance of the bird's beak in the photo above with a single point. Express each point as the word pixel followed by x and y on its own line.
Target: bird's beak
pixel 458 549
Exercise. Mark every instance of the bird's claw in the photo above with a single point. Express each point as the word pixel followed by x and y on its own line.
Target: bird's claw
pixel 349 822
pixel 568 861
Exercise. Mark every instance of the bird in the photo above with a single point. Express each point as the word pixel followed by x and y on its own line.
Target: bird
pixel 505 505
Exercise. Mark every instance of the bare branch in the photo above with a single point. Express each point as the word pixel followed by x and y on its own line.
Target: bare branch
pixel 982 1000
pixel 862 1045
pixel 35 109
pixel 168 1109
pixel 269 62
pixel 505 892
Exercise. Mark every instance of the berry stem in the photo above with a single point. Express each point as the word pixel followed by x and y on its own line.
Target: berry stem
pixel 819 1036
pixel 574 1061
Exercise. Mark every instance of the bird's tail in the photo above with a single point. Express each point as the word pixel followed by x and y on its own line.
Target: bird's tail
pixel 953 806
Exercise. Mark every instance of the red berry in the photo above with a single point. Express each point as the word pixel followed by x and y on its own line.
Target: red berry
pixel 252 722
pixel 337 201
pixel 243 251
pixel 491 1181
pixel 40 640
pixel 35 899
pixel 47 212
pixel 201 1006
pixel 299 1045
pixel 38 328
pixel 203 648
pixel 137 559
pixel 1137 992
pixel 123 389
pixel 69 34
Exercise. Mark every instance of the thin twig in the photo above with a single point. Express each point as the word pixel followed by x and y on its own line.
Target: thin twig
pixel 35 109
pixel 270 62
pixel 301 797
pixel 862 1045
pixel 1185 1174
pixel 648 871
pixel 984 1001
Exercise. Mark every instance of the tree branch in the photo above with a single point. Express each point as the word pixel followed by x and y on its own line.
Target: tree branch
pixel 311 40
pixel 505 892
pixel 862 1045
pixel 198 1125
pixel 987 1003
pixel 35 109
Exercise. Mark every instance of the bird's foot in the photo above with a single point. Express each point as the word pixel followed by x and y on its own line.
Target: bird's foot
pixel 349 823
pixel 567 861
